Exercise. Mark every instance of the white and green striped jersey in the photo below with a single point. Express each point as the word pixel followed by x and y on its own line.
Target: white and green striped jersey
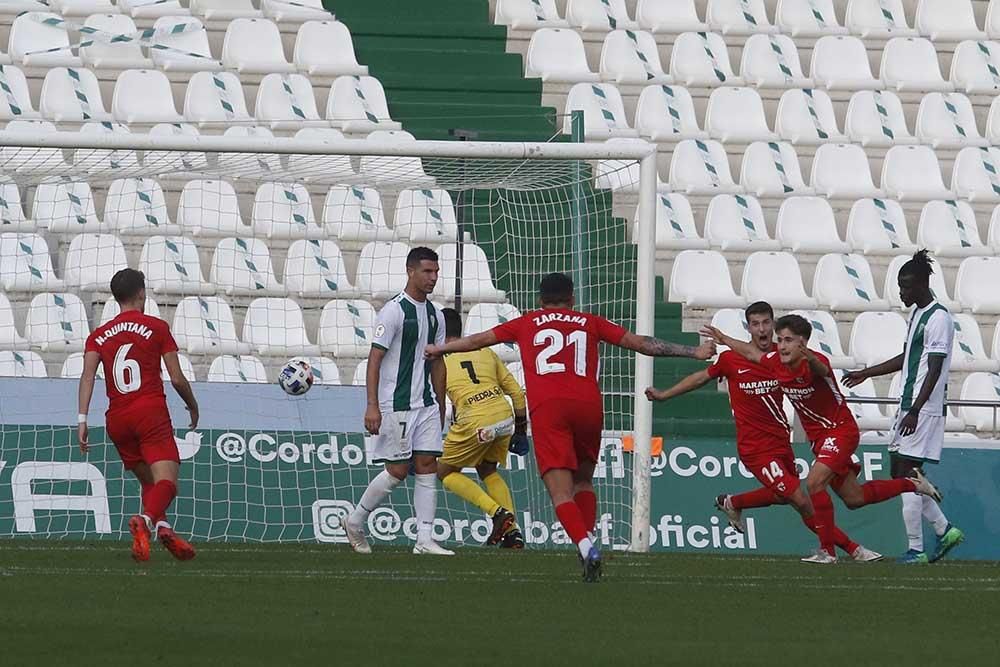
pixel 931 331
pixel 403 328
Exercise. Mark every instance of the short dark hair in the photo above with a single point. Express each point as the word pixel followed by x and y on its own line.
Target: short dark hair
pixel 126 285
pixel 452 323
pixel 759 308
pixel 556 288
pixel 797 324
pixel 419 254
pixel 920 266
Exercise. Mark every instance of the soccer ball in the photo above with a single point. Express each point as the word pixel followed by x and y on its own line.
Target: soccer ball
pixel 296 377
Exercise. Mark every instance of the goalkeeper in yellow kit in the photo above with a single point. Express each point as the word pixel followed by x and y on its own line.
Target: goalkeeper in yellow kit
pixel 484 429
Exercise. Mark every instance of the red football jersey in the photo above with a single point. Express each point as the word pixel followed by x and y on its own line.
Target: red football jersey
pixel 131 346
pixel 756 399
pixel 559 352
pixel 817 400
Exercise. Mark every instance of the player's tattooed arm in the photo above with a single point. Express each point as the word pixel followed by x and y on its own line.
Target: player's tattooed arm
pixel 745 349
pixel 654 347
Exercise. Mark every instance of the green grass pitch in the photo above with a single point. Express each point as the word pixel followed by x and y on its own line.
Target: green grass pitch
pixel 88 603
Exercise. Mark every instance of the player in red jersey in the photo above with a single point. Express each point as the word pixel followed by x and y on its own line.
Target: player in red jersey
pixel 559 352
pixel 762 432
pixel 137 421
pixel 807 379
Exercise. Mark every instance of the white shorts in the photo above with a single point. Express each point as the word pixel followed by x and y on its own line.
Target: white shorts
pixel 406 433
pixel 925 443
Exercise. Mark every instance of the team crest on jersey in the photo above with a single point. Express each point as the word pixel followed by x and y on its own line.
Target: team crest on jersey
pixel 380 331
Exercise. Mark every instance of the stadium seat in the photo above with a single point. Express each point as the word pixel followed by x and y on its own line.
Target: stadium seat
pixel 975 284
pixel 529 14
pixel 993 19
pixel 868 415
pixel 556 55
pixel 210 208
pixel 81 7
pixel 980 387
pixel 947 121
pixel 735 223
pixel 967 352
pixel 144 96
pixel 253 46
pixel 275 327
pixel 321 169
pixel 844 282
pixel 243 266
pixel 974 67
pixel 182 46
pixel 738 17
pixel 669 17
pixel 259 166
pixel 72 367
pixel 56 322
pixel 286 101
pixel 666 113
pixel 424 216
pixel 358 104
pixel 993 234
pixel 324 370
pixel 877 337
pixel 736 115
pixel 91 261
pixel 12 210
pixel 631 57
pixel 172 163
pixel 807 117
pixel 477 280
pixel 937 283
pixel 37 162
pixel 701 167
pixel 172 266
pixel 302 10
pixel 393 172
pixel 65 208
pixel 807 224
pixel 913 172
pixel 345 328
pixel 214 98
pixel 25 264
pixel 111 310
pixel 775 277
pixel 878 226
pixel 621 175
pixel 485 316
pixel 148 10
pixel 224 10
pixel 599 15
pixel 316 268
pixel 67 95
pixel 949 229
pixel 994 348
pixel 732 322
pixel 911 63
pixel 325 48
pixel 840 171
pixel 204 325
pixel 354 213
pixel 771 169
pixel 675 227
pixel 233 368
pixel 700 279
pixel 840 62
pixel 877 18
pixel 16 101
pixel 284 210
pixel 88 161
pixel 40 39
pixel 138 206
pixel 10 339
pixel 875 118
pixel 947 20
pixel 993 123
pixel 603 111
pixel 187 369
pixel 21 365
pixel 382 269
pixel 772 61
pixel 974 174
pixel 702 59
pixel 807 18
pixel 119 54
pixel 825 337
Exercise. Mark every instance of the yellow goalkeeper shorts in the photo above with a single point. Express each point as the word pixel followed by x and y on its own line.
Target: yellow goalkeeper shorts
pixel 463 446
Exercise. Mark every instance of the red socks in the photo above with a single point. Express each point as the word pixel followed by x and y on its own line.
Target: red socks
pixel 157 498
pixel 822 521
pixel 587 502
pixel 572 520
pixel 146 488
pixel 884 489
pixel 762 497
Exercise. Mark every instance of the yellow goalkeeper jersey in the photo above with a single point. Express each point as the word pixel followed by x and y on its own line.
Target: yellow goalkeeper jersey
pixel 477 384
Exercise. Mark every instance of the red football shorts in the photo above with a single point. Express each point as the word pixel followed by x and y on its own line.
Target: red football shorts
pixel 565 432
pixel 142 433
pixel 835 449
pixel 775 470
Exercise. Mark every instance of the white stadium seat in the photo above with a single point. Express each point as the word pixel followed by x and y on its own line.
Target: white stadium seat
pixel 119 54
pixel 26 265
pixel 877 337
pixel 974 174
pixel 913 172
pixel 844 282
pixel 210 208
pixel 775 277
pixel 702 59
pixel 949 229
pixel 675 227
pixel 275 327
pixel 875 118
pixel 825 337
pixel 631 57
pixel 980 387
pixel 236 166
pixel 938 286
pixel 167 163
pixel 425 216
pixel 39 39
pixel 10 339
pixel 947 20
pixel 243 266
pixel 254 46
pixel 65 207
pixel 771 169
pixel 90 161
pixel 477 279
pixel 807 224
pixel 81 7
pixel 599 15
pixel 186 49
pixel 974 67
pixel 137 206
pixel 187 369
pixel 911 63
pixel 12 210
pixel 485 316
pixel 700 279
pixel 841 171
pixel 91 261
pixel 529 14
pixel 354 213
pixel 621 175
pixel 38 162
pixel 359 379
pixel 735 223
pixel 224 10
pixel 967 352
pixel 556 55
pixel 732 322
pixel 666 113
pixel 146 9
pixel 701 167
pixel 232 368
pixel 993 235
pixel 840 62
pixel 345 328
pixel 172 266
pixel 868 415
pixel 16 101
pixel 204 325
pixel 994 348
pixel 358 104
pixel 144 96
pixel 381 269
pixel 993 19
pixel 603 111
pixel 976 284
pixel 301 10
pixel 807 18
pixel 214 98
pixel 325 48
pixel 323 169
pixel 772 61
pixel 284 210
pixel 738 17
pixel 736 115
pixel 72 367
pixel 111 310
pixel 947 121
pixel 673 17
pixel 807 117
pixel 69 95
pixel 393 172
pixel 286 101
pixel 878 226
pixel 993 122
pixel 56 323
pixel 877 18
pixel 21 365
pixel 316 268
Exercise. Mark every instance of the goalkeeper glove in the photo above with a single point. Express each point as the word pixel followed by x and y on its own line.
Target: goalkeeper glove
pixel 519 443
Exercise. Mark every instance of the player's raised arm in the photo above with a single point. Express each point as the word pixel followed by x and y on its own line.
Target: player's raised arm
pixel 690 383
pixel 854 378
pixel 181 386
pixel 745 349
pixel 466 344
pixel 654 347
pixel 91 360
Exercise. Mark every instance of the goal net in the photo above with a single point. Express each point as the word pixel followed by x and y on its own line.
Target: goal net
pixel 259 250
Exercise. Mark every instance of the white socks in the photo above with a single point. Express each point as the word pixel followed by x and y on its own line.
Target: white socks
pixel 425 505
pixel 378 490
pixel 934 515
pixel 913 507
pixel 584 546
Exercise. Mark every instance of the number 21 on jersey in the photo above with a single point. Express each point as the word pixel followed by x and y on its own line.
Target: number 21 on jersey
pixel 554 342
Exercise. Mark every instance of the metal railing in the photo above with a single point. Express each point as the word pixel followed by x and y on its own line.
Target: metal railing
pixel 967 403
